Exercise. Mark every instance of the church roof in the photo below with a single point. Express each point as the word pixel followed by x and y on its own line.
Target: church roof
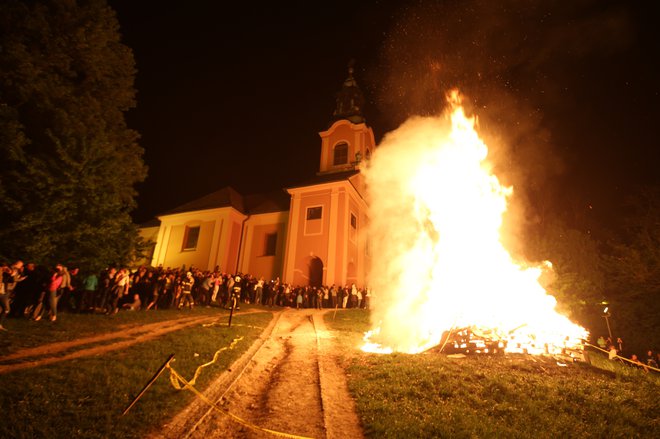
pixel 274 201
pixel 327 178
pixel 225 197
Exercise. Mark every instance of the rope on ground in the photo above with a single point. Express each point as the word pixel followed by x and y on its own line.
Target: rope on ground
pixel 175 382
pixel 189 386
pixel 224 324
pixel 640 364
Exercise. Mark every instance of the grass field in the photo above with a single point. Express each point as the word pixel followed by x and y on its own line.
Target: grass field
pixel 25 333
pixel 407 396
pixel 432 395
pixel 85 397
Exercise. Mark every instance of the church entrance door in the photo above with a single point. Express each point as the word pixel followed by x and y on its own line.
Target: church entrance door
pixel 316 272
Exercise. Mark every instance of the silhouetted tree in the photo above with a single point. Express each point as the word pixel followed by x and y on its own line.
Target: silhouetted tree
pixel 633 271
pixel 68 162
pixel 577 281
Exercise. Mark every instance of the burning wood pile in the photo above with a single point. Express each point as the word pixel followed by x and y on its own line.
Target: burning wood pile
pixel 475 341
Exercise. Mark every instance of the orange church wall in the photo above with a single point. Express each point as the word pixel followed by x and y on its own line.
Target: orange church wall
pixel 231 259
pixel 343 130
pixel 352 253
pixel 214 240
pixel 259 264
pixel 340 247
pixel 176 256
pixel 339 241
pixel 352 265
pixel 312 236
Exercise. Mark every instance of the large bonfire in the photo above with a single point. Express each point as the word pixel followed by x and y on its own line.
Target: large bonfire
pixel 438 263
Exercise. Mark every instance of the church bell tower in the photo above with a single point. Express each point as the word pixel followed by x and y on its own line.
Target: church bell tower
pixel 349 140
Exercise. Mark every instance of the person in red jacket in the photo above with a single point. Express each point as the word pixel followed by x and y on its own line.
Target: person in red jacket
pixel 54 285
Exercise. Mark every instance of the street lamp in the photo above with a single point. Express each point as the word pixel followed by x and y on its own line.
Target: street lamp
pixel 606 316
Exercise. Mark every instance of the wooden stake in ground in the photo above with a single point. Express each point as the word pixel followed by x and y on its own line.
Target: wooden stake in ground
pixel 149 383
pixel 231 312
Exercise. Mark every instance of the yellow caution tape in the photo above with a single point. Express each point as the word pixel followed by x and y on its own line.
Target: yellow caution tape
pixel 189 386
pixel 224 324
pixel 640 364
pixel 175 382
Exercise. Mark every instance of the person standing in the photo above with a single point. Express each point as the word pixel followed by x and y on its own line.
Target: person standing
pixel 319 298
pixel 216 280
pixel 54 286
pixel 4 297
pixel 65 290
pixel 236 290
pixel 205 288
pixel 75 290
pixel 157 286
pixel 259 291
pixel 11 277
pixel 26 292
pixel 619 343
pixel 107 285
pixel 119 290
pixel 186 291
pixel 90 285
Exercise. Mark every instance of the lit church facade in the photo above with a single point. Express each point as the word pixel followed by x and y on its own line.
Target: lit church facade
pixel 309 234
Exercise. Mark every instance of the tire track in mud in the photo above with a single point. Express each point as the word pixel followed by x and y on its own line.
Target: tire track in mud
pixel 126 337
pixel 290 383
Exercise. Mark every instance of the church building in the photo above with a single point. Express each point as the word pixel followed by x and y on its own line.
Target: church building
pixel 313 233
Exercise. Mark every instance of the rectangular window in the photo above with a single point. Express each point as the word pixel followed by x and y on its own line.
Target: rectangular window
pixel 352 232
pixel 190 238
pixel 314 212
pixel 270 244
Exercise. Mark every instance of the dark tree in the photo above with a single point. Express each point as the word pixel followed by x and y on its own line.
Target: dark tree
pixel 577 281
pixel 68 162
pixel 633 272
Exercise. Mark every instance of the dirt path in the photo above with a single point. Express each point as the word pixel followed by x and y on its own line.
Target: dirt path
pixel 289 382
pixel 127 336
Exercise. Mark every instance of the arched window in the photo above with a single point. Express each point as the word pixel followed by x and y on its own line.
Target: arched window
pixel 340 154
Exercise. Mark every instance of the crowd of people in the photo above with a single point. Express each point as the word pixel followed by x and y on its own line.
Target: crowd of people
pixel 35 292
pixel 616 352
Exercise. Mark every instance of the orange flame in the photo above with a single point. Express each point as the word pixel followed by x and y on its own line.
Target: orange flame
pixel 437 258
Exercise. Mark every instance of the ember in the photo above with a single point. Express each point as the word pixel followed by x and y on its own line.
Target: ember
pixel 438 264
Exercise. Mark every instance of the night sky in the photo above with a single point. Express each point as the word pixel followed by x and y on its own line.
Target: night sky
pixel 567 92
